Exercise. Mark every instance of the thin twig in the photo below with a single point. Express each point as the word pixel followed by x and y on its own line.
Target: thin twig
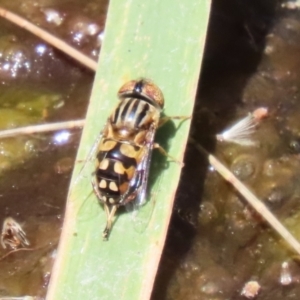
pixel 41 128
pixel 16 250
pixel 250 197
pixel 49 38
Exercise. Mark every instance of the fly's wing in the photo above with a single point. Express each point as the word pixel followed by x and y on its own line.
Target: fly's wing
pixel 83 179
pixel 144 168
pixel 88 161
pixel 140 215
pixel 142 171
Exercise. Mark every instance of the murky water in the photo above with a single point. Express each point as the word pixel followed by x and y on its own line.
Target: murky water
pixel 40 85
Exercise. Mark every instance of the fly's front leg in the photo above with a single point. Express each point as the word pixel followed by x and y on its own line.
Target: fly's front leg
pixel 164 120
pixel 164 152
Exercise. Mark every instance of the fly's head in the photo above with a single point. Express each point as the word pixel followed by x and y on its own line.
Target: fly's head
pixel 143 89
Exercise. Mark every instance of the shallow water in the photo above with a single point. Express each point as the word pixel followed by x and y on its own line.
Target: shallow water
pixel 38 85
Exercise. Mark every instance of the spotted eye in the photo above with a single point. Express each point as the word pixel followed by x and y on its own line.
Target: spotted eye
pixel 143 88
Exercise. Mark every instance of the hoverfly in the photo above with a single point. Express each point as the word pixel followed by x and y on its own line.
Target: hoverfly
pixel 123 153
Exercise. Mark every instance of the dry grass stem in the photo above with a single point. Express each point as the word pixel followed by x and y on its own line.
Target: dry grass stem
pixel 250 197
pixel 49 38
pixel 41 128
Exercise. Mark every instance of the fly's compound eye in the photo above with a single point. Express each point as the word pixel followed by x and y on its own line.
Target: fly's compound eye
pixel 143 88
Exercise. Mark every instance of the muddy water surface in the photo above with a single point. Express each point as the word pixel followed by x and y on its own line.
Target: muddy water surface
pixel 39 84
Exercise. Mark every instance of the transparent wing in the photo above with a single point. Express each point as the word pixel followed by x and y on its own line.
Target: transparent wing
pixel 142 174
pixel 90 159
pixel 144 167
pixel 83 181
pixel 140 212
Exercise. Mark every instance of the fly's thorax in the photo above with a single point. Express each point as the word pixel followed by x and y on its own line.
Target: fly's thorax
pixel 133 114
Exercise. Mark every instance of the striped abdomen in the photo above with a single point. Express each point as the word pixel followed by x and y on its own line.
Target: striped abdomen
pixel 134 114
pixel 117 163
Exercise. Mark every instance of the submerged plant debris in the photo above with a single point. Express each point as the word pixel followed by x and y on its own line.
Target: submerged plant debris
pixel 12 235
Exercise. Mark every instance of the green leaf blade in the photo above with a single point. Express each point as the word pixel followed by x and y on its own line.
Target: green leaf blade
pixel 163 41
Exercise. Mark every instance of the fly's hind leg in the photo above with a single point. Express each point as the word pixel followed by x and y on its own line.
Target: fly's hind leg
pixel 110 211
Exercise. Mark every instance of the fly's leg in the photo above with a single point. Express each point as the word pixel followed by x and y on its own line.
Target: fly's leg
pixel 164 120
pixel 110 211
pixel 96 191
pixel 165 153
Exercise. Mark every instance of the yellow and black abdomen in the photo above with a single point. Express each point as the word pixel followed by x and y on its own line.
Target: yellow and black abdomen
pixel 117 166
